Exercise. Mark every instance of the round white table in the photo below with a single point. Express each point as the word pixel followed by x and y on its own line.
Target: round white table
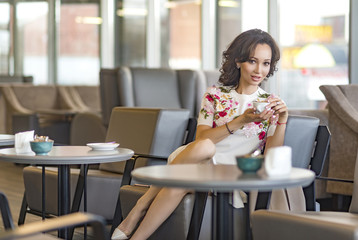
pixel 63 157
pixel 222 179
pixel 6 140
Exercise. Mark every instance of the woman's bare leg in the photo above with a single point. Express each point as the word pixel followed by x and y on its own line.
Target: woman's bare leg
pixel 168 199
pixel 130 222
pixel 162 207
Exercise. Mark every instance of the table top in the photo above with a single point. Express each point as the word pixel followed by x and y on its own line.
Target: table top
pixel 63 155
pixel 7 139
pixel 223 178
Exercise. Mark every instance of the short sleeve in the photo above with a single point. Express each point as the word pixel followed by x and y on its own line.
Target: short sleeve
pixel 207 110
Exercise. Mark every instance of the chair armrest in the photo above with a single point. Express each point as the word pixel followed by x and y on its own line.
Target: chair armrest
pixel 127 177
pixel 71 220
pixel 5 212
pixel 334 179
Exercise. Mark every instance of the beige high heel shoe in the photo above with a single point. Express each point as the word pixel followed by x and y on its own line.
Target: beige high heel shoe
pixel 118 235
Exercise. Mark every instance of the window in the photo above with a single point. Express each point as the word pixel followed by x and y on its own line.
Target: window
pixel 314 50
pixel 181 38
pixel 236 16
pixel 78 59
pixel 4 38
pixel 31 42
pixel 130 41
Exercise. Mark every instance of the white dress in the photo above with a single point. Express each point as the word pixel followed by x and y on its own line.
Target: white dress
pixel 221 105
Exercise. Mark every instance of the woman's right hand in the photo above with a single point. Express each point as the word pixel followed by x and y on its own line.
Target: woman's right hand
pixel 250 115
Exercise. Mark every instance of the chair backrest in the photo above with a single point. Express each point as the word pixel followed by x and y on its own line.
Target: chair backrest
pixel 147 87
pixel 300 135
pixel 310 143
pixel 151 131
pixel 157 87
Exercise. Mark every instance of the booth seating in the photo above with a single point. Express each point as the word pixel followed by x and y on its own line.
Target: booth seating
pixel 47 109
pixel 144 130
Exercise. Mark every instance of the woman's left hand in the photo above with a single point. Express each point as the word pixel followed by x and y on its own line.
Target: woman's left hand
pixel 280 108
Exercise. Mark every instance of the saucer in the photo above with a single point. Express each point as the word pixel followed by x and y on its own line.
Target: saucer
pixel 102 146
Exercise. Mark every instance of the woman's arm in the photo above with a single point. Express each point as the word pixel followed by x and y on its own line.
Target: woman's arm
pixel 281 112
pixel 219 133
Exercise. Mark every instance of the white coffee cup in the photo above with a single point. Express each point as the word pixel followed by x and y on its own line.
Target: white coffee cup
pixel 260 106
pixel 278 161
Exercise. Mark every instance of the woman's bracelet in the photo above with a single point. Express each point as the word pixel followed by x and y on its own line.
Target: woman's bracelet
pixel 228 129
pixel 281 123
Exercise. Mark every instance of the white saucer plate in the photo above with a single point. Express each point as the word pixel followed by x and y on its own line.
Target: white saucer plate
pixel 102 146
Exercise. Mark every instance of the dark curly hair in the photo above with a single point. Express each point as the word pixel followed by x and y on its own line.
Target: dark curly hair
pixel 240 50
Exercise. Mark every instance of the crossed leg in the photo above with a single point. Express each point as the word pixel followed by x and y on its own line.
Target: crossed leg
pixel 157 204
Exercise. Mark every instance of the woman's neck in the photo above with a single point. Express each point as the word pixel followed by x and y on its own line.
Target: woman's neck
pixel 247 90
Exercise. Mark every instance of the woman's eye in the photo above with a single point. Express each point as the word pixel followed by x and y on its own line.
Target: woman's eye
pixel 252 61
pixel 267 63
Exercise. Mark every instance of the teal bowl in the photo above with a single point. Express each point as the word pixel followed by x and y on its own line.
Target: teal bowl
pixel 249 164
pixel 41 148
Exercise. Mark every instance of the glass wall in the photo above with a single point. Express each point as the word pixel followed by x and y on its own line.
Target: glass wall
pixel 313 37
pixel 4 38
pixel 31 40
pixel 183 34
pixel 236 16
pixel 78 57
pixel 131 20
pixel 314 49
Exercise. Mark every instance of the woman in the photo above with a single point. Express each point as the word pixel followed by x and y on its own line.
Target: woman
pixel 228 126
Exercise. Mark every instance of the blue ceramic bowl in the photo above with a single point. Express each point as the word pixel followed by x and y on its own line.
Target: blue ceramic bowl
pixel 41 148
pixel 249 164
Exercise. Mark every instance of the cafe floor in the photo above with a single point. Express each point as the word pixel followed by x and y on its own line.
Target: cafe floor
pixel 11 183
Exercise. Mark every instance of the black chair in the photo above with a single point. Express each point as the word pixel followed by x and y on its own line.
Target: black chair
pixel 35 230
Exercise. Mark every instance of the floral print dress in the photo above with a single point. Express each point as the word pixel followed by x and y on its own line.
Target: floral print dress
pixel 223 104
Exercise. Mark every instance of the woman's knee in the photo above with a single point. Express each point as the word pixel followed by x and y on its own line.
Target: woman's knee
pixel 206 148
pixel 175 192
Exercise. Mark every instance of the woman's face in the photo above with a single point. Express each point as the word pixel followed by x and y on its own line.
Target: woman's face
pixel 254 71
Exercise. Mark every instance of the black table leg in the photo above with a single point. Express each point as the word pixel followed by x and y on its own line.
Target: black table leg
pixel 197 215
pixel 43 206
pixel 247 213
pixel 223 226
pixel 64 196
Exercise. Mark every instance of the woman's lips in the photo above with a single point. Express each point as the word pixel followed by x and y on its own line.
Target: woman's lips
pixel 255 78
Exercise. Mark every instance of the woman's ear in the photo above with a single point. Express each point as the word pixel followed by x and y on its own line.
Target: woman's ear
pixel 237 65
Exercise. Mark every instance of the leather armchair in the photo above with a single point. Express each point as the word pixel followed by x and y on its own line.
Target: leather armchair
pixel 327 225
pixel 151 131
pixel 45 109
pixel 343 124
pixel 301 134
pixel 143 87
